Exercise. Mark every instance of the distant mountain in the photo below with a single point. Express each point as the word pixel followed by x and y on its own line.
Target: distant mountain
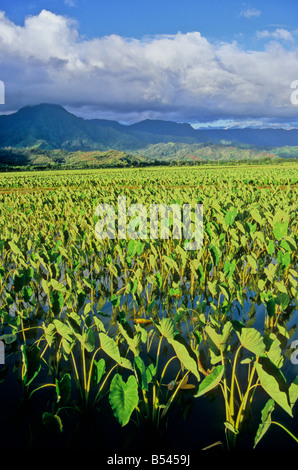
pixel 50 126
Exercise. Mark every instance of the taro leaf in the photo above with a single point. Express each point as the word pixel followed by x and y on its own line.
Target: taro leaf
pixel 141 328
pixel 56 301
pixel 63 389
pixel 270 306
pixel 100 367
pixel 27 293
pixel 63 330
pixel 167 328
pixel 150 373
pixel 221 341
pixel 231 216
pixel 111 349
pixel 252 340
pixel 141 372
pixel 31 362
pixel 282 300
pixel 210 381
pixel 52 422
pixel 88 340
pixel 185 354
pixel 293 392
pixel 74 322
pixel 50 331
pixel 18 282
pixel 285 259
pixel 123 397
pixel 182 349
pixel 274 383
pixel 115 300
pixel 99 324
pixel 270 247
pixel 266 420
pixel 280 230
pixel 133 339
pixel 66 348
pixel 257 216
pixel 273 350
pixel 252 262
pixel 58 286
pixel 8 338
pixel 231 427
pixel 215 254
pixel 14 248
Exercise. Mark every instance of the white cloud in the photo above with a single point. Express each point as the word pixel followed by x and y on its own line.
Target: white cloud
pixel 251 13
pixel 182 76
pixel 279 33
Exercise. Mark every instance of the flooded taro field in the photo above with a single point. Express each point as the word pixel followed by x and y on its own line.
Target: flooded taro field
pixel 117 343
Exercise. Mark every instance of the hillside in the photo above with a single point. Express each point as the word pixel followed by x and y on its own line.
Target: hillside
pixel 47 134
pixel 50 126
pixel 35 157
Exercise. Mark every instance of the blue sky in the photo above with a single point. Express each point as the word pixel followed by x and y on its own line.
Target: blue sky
pixel 217 20
pixel 218 62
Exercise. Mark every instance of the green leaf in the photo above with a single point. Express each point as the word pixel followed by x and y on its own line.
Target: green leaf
pixel 185 354
pixel 63 389
pixel 99 324
pixel 210 381
pixel 252 340
pixel 100 367
pixel 280 230
pixel 123 397
pixel 63 330
pixel 110 347
pixel 293 392
pixel 14 248
pixel 252 262
pixel 221 341
pixel 56 301
pixel 273 382
pixel 88 340
pixel 31 363
pixel 270 307
pixel 141 372
pixel 133 339
pixel 273 350
pixel 167 328
pixel 52 422
pixel 231 216
pixel 265 421
pixel 58 286
pixel 231 427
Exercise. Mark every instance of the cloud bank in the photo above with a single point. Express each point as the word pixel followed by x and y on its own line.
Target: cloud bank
pixel 180 77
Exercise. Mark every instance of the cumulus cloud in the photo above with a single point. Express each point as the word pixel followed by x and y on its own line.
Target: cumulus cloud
pixel 181 77
pixel 279 33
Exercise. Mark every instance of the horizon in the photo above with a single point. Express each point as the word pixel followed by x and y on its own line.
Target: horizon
pixel 203 63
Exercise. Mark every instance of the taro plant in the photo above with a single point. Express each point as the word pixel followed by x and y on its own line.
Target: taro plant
pixel 78 342
pixel 234 347
pixel 266 421
pixel 158 394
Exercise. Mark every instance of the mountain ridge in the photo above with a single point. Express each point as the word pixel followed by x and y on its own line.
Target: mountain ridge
pixel 51 126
